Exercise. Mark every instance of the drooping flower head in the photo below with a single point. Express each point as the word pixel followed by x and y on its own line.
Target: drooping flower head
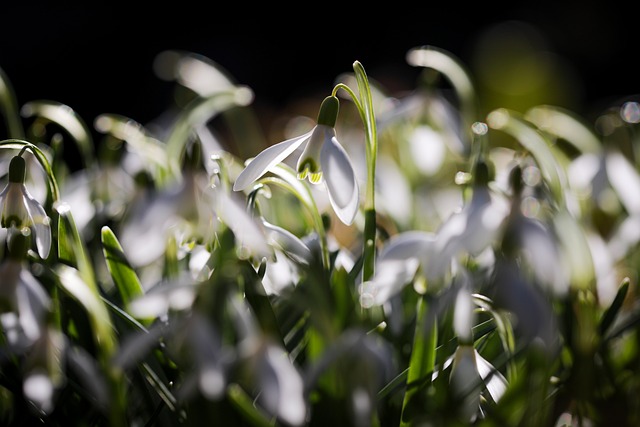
pixel 18 209
pixel 322 160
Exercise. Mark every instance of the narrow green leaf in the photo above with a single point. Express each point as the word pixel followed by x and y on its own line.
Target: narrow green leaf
pixel 72 247
pixel 65 117
pixel 612 311
pixel 532 140
pixel 244 404
pixel 9 107
pixel 124 276
pixel 423 357
pixel 74 285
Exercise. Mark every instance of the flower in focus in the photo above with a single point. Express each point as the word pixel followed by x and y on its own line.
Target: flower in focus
pixel 18 209
pixel 323 159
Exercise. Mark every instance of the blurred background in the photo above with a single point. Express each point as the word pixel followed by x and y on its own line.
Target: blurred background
pixel 98 57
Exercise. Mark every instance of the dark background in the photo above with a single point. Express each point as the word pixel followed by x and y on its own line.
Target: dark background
pixel 97 57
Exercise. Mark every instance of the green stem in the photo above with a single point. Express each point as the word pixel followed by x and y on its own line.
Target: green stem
pixel 364 104
pixel 18 144
pixel 313 210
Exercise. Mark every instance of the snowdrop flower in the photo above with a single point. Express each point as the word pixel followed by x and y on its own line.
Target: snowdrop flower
pixel 470 374
pixel 323 159
pixel 18 209
pixel 397 264
pixel 290 256
pixel 470 230
pixel 24 303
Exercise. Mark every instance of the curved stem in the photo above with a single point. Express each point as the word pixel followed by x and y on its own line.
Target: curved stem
pixel 313 210
pixel 364 104
pixel 18 144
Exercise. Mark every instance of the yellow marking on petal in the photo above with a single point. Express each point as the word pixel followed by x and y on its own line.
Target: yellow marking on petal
pixel 315 178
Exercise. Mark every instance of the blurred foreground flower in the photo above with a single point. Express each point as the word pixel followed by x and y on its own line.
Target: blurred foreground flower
pixel 19 209
pixel 470 374
pixel 24 303
pixel 323 158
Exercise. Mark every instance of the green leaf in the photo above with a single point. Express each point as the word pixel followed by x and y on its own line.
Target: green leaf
pixel 71 246
pixel 532 140
pixel 244 404
pixel 423 357
pixel 124 276
pixel 9 107
pixel 611 313
pixel 74 285
pixel 66 118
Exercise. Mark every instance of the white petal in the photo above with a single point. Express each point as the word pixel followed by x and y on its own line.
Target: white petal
pixel 340 179
pixel 288 242
pixel 390 277
pixel 397 263
pixel 282 387
pixel 41 224
pixel 625 180
pixel 38 388
pixel 266 159
pixel 246 228
pixel 407 244
pixel 463 315
pixel 465 381
pixel 496 383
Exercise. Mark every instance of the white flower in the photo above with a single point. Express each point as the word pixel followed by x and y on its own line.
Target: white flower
pixel 18 209
pixel 24 303
pixel 323 159
pixel 396 266
pixel 470 374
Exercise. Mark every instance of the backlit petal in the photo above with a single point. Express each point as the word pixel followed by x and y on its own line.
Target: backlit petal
pixel 41 224
pixel 340 179
pixel 266 159
pixel 397 263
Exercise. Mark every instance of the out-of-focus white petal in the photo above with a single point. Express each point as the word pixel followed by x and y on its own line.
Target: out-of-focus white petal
pixel 390 277
pixel 340 180
pixel 266 159
pixel 581 171
pixel 397 263
pixel 38 388
pixel 541 250
pixel 465 381
pixel 33 302
pixel 178 294
pixel 279 274
pixel 41 224
pixel 463 315
pixel 288 242
pixel 204 339
pixel 282 387
pixel 625 180
pixel 246 229
pixel 495 382
pixel 428 149
pixel 395 195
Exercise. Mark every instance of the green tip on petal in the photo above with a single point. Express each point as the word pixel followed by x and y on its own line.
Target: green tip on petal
pixel 329 111
pixel 17 170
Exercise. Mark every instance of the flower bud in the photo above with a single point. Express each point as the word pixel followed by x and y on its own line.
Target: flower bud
pixel 329 111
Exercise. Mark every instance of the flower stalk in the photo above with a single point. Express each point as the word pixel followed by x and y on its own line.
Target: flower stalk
pixel 364 104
